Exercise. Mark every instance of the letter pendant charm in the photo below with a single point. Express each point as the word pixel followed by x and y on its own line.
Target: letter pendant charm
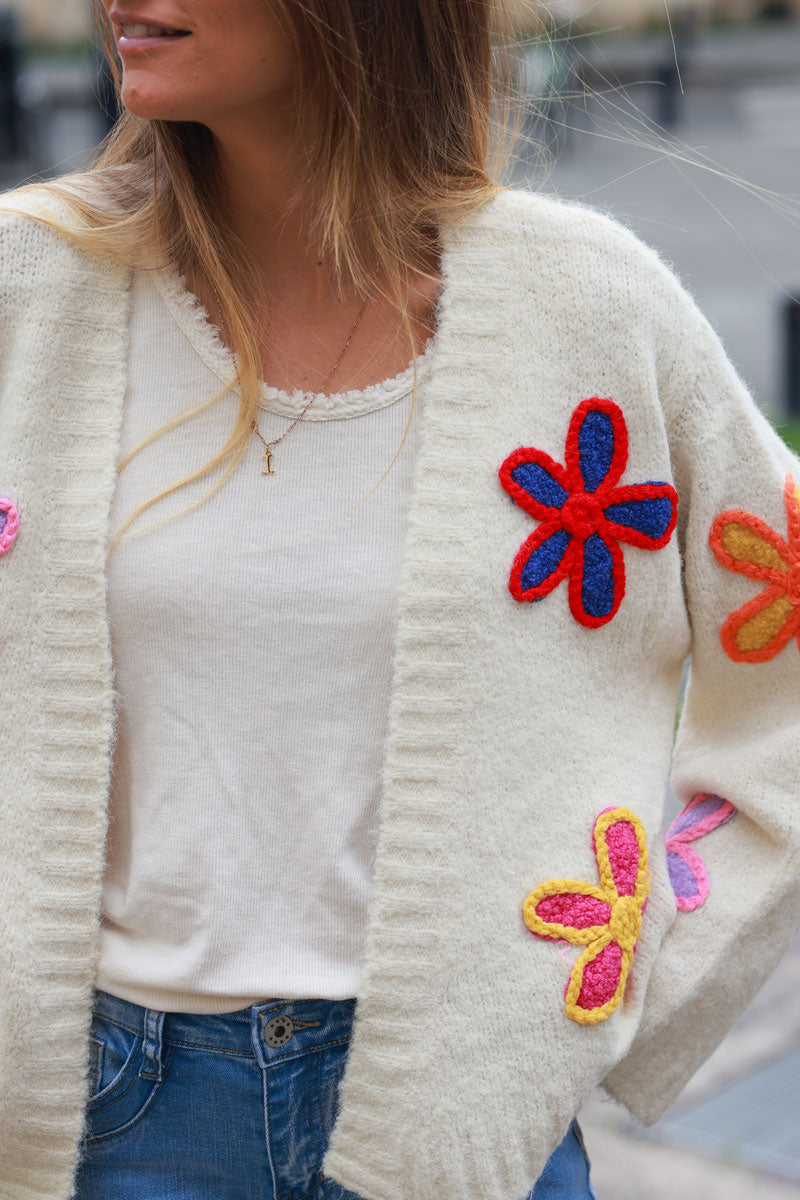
pixel 268 456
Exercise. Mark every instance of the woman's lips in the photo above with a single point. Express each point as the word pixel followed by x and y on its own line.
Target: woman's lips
pixel 133 45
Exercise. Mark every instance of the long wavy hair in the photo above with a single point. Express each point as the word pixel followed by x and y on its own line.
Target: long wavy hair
pixel 412 126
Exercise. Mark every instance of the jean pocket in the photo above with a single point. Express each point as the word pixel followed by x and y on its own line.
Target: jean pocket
pixel 120 1096
pixel 95 1065
pixel 112 1052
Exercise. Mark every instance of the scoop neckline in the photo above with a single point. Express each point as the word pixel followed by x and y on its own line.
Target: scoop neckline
pixel 195 322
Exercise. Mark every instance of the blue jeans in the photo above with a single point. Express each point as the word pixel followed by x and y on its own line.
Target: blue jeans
pixel 238 1106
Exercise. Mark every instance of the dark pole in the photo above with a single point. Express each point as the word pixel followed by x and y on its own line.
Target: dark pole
pixel 10 108
pixel 672 68
pixel 792 360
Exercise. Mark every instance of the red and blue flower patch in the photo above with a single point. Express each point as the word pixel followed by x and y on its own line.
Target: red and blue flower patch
pixel 584 514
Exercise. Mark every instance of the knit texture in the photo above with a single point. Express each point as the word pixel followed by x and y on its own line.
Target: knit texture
pixel 511 725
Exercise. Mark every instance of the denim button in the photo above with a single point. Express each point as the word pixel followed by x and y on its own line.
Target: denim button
pixel 278 1030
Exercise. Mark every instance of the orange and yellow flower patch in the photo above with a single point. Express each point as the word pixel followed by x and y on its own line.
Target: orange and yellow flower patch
pixel 744 543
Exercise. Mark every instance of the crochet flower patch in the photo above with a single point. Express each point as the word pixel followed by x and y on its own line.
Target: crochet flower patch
pixel 687 872
pixel 584 514
pixel 9 524
pixel 742 542
pixel 605 919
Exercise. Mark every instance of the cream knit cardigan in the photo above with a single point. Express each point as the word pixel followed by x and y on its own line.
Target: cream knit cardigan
pixel 512 725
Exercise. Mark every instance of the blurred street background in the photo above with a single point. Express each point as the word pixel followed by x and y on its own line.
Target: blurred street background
pixel 684 122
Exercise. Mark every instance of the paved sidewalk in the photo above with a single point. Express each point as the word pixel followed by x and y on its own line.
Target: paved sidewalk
pixel 625 1168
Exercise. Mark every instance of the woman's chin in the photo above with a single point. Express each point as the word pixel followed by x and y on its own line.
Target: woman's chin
pixel 152 104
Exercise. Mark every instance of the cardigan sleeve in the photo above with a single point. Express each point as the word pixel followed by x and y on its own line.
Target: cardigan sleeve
pixel 737 877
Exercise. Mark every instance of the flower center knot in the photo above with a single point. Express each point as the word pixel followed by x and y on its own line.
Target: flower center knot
pixel 793 584
pixel 581 515
pixel 626 921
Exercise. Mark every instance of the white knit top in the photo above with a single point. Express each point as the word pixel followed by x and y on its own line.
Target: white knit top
pixel 252 642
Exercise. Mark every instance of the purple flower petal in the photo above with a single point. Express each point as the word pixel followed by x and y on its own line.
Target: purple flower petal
pixel 684 882
pixel 701 814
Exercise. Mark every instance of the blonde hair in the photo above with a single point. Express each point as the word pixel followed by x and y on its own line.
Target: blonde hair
pixel 382 175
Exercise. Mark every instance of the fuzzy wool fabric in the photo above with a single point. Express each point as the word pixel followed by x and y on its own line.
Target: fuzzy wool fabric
pixel 512 723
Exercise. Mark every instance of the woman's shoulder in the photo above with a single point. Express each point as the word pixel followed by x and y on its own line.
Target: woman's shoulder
pixel 19 210
pixel 581 257
pixel 41 244
pixel 36 261
pixel 554 217
pixel 98 187
pixel 554 228
pixel 31 245
pixel 27 208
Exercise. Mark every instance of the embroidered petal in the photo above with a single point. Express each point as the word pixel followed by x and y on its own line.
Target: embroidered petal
pixel 620 844
pixel 576 909
pixel 687 874
pixel 543 560
pixel 623 856
pixel 597 445
pixel 9 524
pixel 761 628
pixel 567 908
pixel 703 813
pixel 535 481
pixel 687 871
pixel 597 982
pixel 643 514
pixel 597 580
pixel 744 543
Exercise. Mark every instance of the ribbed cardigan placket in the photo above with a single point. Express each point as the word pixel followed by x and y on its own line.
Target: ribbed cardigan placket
pixel 71 755
pixel 76 430
pixel 414 874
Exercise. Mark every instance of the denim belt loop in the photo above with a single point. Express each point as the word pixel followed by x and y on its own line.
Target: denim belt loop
pixel 152 1045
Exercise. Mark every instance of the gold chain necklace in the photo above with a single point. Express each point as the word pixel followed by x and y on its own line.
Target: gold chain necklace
pixel 268 455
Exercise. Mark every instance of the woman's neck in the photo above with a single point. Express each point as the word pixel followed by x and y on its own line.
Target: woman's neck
pixel 309 321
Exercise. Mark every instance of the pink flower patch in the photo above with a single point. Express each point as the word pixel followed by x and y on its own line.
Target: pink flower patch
pixel 605 919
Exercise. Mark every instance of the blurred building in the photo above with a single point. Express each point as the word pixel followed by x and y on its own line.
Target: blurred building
pixel 69 20
pixel 52 20
pixel 633 13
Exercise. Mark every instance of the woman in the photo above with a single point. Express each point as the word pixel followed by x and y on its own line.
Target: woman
pixel 308 794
